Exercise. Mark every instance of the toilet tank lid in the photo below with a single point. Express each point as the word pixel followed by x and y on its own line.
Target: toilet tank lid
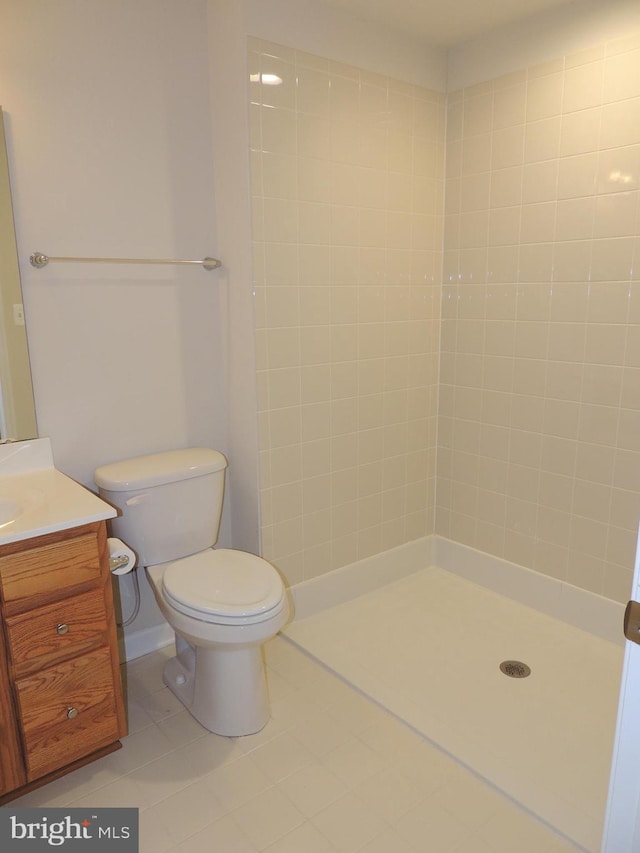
pixel 155 469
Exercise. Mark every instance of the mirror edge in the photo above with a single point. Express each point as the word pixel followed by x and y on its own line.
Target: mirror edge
pixel 17 407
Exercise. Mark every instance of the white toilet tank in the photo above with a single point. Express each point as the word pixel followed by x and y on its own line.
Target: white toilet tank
pixel 170 502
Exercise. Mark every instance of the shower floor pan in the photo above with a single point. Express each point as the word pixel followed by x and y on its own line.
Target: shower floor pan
pixel 428 648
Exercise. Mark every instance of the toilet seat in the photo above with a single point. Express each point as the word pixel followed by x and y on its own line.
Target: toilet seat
pixel 224 586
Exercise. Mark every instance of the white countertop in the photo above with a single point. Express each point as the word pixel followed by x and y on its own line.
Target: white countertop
pixel 36 498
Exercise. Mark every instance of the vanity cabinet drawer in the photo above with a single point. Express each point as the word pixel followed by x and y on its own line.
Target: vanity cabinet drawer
pixel 51 568
pixel 46 635
pixel 67 711
pixel 61 700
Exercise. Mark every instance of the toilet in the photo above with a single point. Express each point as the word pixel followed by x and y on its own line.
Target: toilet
pixel 223 604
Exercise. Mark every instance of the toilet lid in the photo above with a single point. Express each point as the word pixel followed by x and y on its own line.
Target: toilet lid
pixel 229 584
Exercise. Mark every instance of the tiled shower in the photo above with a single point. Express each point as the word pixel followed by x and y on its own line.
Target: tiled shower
pixel 539 418
pixel 347 177
pixel 477 320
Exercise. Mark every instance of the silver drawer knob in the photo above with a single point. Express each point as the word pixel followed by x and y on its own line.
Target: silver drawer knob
pixel 61 629
pixel 72 713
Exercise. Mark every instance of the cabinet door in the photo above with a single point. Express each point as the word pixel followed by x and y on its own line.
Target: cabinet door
pixel 67 711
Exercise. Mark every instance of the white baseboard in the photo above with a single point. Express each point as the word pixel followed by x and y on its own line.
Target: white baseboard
pixel 147 640
pixel 312 596
pixel 579 607
pixel 585 610
pixel 347 582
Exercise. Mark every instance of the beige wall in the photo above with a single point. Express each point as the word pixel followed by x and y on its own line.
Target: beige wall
pixel 335 33
pixel 110 156
pixel 347 197
pixel 539 430
pixel 559 31
pixel 109 142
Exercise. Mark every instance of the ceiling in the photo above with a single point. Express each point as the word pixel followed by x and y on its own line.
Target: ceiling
pixel 444 22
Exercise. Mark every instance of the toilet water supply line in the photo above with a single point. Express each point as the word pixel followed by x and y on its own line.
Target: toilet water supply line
pixel 122 561
pixel 136 606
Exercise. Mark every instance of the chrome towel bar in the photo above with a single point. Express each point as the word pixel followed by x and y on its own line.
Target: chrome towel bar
pixel 38 260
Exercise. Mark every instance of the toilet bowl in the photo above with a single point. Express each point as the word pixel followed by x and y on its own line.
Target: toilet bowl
pixel 218 672
pixel 222 604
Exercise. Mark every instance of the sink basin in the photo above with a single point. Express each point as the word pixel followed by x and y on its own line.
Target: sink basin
pixel 9 511
pixel 36 499
pixel 22 501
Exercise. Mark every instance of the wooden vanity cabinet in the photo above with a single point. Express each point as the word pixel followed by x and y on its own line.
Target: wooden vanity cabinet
pixel 61 701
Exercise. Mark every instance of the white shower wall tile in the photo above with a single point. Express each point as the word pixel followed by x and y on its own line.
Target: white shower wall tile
pixel 542 203
pixel 347 189
pixel 561 237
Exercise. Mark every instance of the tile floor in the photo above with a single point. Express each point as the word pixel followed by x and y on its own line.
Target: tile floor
pixel 332 772
pixel 428 648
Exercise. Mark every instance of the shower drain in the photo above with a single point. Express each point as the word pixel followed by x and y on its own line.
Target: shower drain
pixel 515 668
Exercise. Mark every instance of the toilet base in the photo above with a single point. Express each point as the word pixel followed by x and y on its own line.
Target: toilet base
pixel 224 688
